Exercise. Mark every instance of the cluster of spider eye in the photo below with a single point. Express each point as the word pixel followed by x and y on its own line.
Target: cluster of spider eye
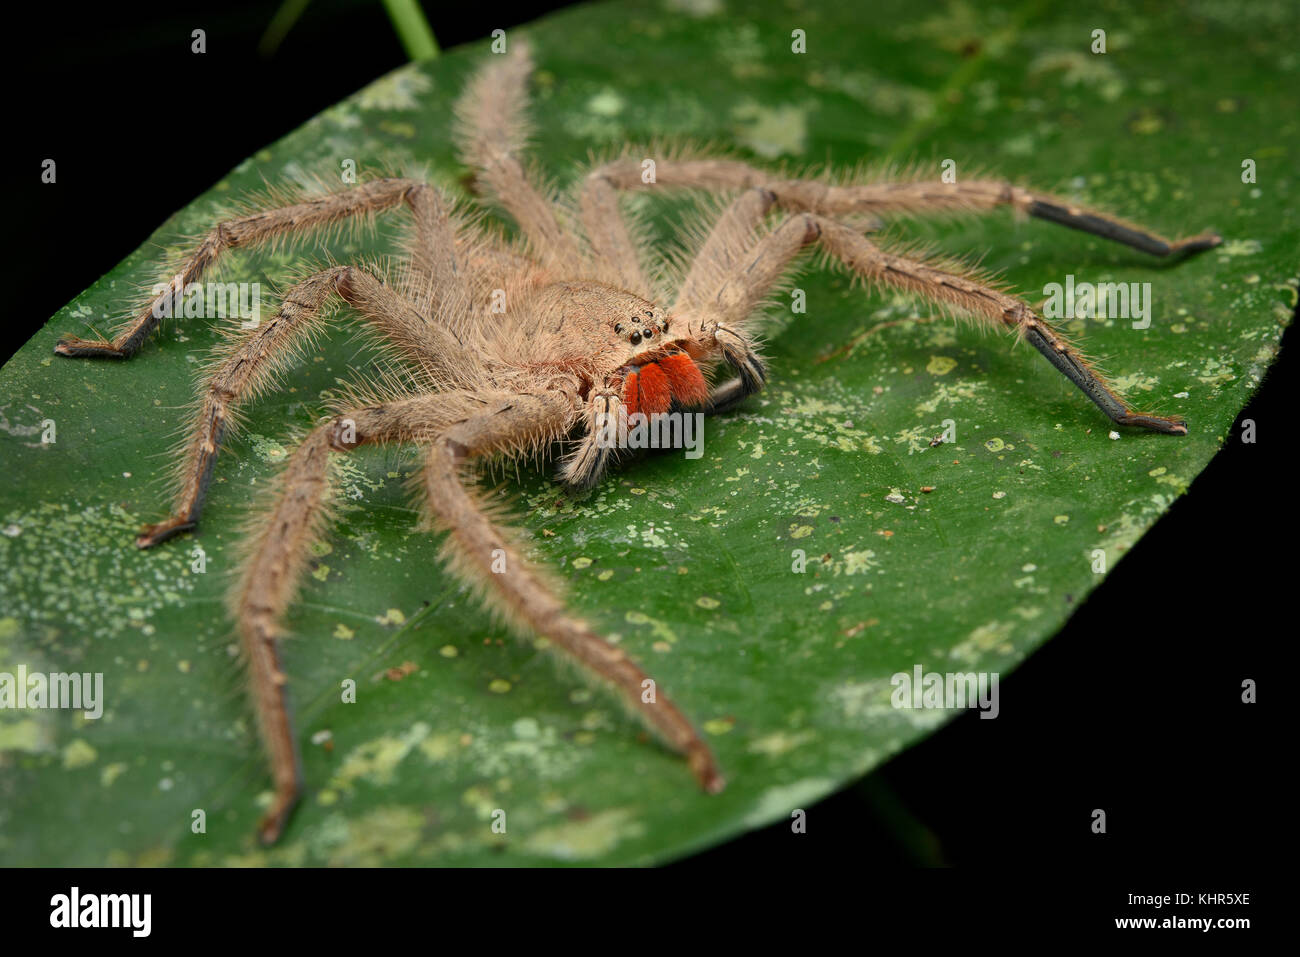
pixel 648 331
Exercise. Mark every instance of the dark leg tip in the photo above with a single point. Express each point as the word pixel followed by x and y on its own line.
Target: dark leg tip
pixel 269 828
pixel 272 824
pixel 1206 240
pixel 706 770
pixel 1155 423
pixel 76 348
pixel 156 534
pixel 576 486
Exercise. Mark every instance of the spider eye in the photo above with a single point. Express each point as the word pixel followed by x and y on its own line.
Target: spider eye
pixel 636 338
pixel 618 328
pixel 648 333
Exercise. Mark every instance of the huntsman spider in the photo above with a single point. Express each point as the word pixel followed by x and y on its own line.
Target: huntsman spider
pixel 598 323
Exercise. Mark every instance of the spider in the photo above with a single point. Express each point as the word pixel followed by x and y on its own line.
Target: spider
pixel 597 324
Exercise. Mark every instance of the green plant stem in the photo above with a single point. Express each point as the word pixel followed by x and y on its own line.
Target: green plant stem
pixel 412 29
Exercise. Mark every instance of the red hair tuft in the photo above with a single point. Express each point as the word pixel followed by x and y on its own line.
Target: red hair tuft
pixel 685 379
pixel 656 393
pixel 630 393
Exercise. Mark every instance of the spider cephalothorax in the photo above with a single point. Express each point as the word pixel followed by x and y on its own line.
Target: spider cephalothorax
pixel 506 347
pixel 645 353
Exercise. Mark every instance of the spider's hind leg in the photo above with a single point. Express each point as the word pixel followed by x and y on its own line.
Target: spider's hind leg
pixel 245 371
pixel 250 230
pixel 298 516
pixel 253 363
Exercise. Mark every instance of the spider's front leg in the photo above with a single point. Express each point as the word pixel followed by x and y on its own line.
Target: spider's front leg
pixel 752 276
pixel 968 294
pixel 739 353
pixel 910 197
pixel 986 195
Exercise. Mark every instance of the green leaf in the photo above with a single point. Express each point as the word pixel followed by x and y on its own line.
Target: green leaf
pixel 687 564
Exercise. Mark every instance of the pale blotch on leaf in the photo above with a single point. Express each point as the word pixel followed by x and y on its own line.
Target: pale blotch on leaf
pixel 77 754
pixel 940 365
pixel 586 839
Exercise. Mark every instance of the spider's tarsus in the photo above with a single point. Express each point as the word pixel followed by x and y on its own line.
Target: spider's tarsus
pixel 579 476
pixel 76 348
pixel 1073 366
pixel 1120 232
pixel 272 824
pixel 705 769
pixel 746 362
pixel 153 535
pixel 1156 423
pixel 1195 244
pixel 578 488
pixel 753 373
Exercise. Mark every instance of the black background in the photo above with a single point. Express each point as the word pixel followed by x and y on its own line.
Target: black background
pixel 1134 708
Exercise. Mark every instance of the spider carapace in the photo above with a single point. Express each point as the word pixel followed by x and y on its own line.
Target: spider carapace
pixel 500 348
pixel 659 370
